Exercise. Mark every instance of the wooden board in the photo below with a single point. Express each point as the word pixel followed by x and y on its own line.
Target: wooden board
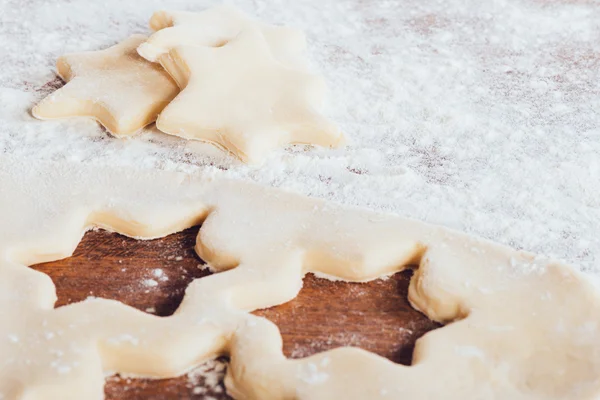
pixel 375 316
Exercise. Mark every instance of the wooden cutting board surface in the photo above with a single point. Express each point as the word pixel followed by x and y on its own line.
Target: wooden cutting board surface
pixel 375 316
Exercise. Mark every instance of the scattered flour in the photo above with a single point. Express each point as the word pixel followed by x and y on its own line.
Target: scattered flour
pixel 207 378
pixel 158 273
pixel 149 283
pixel 478 115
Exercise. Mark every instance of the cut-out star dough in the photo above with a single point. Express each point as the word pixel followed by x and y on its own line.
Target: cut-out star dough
pixel 215 27
pixel 239 97
pixel 115 86
pixel 523 327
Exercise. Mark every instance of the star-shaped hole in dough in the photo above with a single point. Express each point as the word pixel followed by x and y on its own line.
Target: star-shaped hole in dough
pixel 215 27
pixel 533 314
pixel 240 97
pixel 115 86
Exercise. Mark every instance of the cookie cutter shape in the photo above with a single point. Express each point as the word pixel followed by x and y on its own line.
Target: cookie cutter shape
pixel 240 98
pixel 115 86
pixel 215 27
pixel 520 326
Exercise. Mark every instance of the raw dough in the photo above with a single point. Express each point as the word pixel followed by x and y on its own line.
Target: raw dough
pixel 249 96
pixel 240 97
pixel 215 27
pixel 523 327
pixel 115 86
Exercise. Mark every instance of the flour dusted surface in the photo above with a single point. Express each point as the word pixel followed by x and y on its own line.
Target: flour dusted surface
pixel 478 115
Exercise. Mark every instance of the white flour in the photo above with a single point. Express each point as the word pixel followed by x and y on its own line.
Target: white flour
pixel 207 378
pixel 480 115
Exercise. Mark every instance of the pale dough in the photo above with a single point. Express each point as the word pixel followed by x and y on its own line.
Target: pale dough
pixel 245 84
pixel 519 326
pixel 215 27
pixel 241 98
pixel 115 86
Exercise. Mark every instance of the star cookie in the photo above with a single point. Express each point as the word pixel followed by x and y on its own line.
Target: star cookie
pixel 215 27
pixel 240 97
pixel 115 86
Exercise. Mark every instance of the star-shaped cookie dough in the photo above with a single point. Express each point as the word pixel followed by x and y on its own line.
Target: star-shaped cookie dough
pixel 115 86
pixel 215 27
pixel 240 97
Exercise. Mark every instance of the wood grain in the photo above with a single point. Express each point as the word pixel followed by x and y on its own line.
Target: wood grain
pixel 375 316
